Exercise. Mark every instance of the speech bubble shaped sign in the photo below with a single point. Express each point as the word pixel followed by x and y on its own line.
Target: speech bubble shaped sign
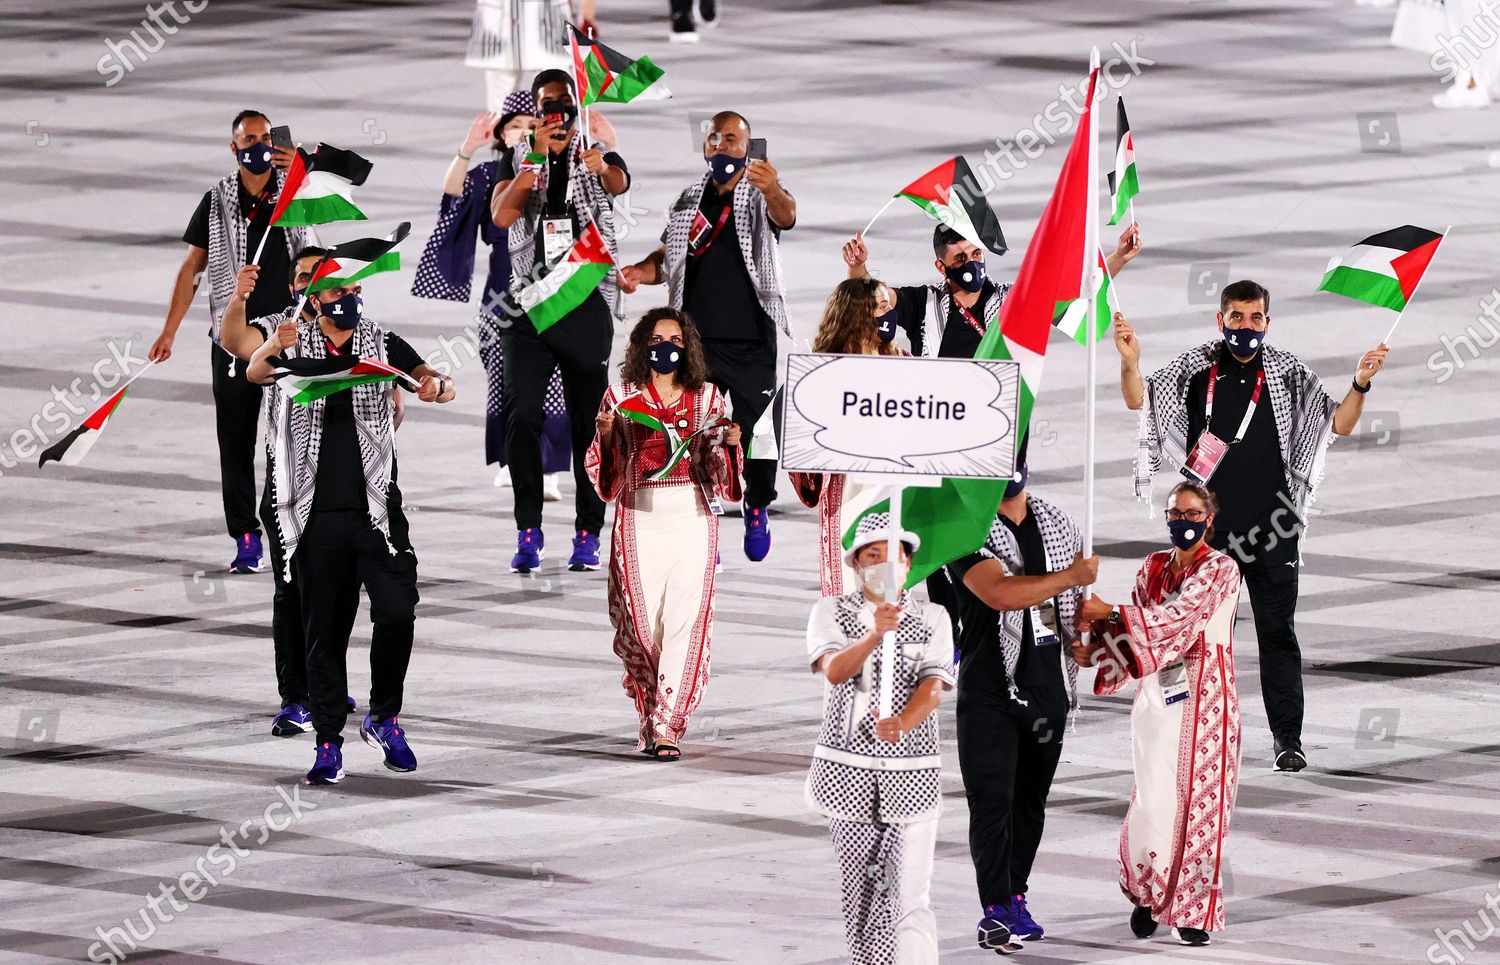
pixel 878 414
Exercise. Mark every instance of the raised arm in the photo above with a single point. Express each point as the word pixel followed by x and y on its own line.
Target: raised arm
pixel 1346 416
pixel 988 580
pixel 235 335
pixel 1128 344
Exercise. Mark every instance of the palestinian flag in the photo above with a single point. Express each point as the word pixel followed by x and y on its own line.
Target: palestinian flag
pixel 318 188
pixel 954 518
pixel 638 410
pixel 354 261
pixel 604 75
pixel 71 449
pixel 306 380
pixel 567 283
pixel 1124 185
pixel 1072 316
pixel 1383 269
pixel 971 217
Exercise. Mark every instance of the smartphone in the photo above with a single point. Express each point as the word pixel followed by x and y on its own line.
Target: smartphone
pixel 757 151
pixel 281 136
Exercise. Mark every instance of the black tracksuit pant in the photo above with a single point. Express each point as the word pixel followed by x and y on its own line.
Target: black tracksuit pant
pixel 237 417
pixel 579 346
pixel 1270 578
pixel 341 549
pixel 1007 754
pixel 745 372
pixel 286 615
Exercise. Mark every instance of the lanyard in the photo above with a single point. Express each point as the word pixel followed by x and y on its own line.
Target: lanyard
pixel 670 421
pixel 974 323
pixel 699 251
pixel 332 348
pixel 1208 413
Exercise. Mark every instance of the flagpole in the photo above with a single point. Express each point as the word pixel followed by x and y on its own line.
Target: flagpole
pixel 882 211
pixel 1387 340
pixel 583 95
pixel 893 583
pixel 1091 251
pixel 1112 286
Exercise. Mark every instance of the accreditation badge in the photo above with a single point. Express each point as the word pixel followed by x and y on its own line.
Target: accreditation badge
pixel 699 232
pixel 557 239
pixel 1044 625
pixel 1174 683
pixel 1205 458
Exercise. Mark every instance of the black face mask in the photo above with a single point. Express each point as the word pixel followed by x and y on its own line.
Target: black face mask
pixel 345 312
pixel 1243 342
pixel 255 159
pixel 665 358
pixel 1017 483
pixel 885 325
pixel 1186 532
pixel 968 276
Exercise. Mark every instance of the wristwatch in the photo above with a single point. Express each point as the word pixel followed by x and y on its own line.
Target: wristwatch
pixel 1115 616
pixel 1361 389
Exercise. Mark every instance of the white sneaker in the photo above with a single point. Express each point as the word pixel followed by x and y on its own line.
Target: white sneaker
pixel 1464 94
pixel 502 478
pixel 551 488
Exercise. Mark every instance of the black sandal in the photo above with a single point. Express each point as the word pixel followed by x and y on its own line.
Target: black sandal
pixel 664 751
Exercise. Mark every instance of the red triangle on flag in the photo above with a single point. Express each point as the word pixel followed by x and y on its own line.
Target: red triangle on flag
pixel 1410 266
pixel 590 248
pixel 936 185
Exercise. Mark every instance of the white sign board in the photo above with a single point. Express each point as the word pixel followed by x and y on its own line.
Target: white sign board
pixel 898 415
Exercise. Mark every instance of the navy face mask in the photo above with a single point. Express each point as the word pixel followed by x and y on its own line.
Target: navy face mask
pixel 1243 342
pixel 723 167
pixel 345 312
pixel 1186 532
pixel 968 276
pixel 665 357
pixel 885 325
pixel 256 159
pixel 1017 483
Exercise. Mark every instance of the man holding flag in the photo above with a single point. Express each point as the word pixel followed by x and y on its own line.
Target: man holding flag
pixel 338 507
pixel 232 221
pixel 553 194
pixel 1253 423
pixel 720 259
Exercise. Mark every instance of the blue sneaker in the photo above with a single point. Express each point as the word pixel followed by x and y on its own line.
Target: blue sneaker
pixel 248 555
pixel 994 932
pixel 349 702
pixel 293 720
pixel 1023 926
pixel 585 552
pixel 529 553
pixel 328 767
pixel 757 534
pixel 388 736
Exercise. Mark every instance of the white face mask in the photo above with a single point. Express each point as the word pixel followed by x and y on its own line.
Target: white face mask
pixel 873 579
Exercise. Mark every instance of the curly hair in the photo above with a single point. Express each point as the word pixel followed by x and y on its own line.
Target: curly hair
pixel 848 325
pixel 691 374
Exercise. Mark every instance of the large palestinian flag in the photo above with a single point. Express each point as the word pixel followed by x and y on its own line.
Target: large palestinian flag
pixel 604 75
pixel 306 380
pixel 1124 184
pixel 1072 316
pixel 971 217
pixel 71 449
pixel 1383 269
pixel 954 518
pixel 354 261
pixel 568 282
pixel 319 188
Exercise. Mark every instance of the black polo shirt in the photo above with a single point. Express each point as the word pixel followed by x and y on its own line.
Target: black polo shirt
pixel 718 293
pixel 1251 479
pixel 272 292
pixel 341 473
pixel 960 337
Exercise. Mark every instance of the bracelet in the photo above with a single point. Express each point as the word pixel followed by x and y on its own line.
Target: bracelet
pixel 1359 388
pixel 464 156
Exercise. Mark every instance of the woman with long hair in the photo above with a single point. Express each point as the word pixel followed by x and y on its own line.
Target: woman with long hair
pixel 1176 638
pixel 859 319
pixel 665 454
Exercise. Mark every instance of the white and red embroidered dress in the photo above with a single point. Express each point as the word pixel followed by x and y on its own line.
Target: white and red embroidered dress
pixel 663 548
pixel 1186 750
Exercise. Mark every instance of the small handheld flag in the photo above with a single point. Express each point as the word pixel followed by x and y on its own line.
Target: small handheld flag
pixel 1385 268
pixel 319 188
pixel 568 282
pixel 606 76
pixel 1124 183
pixel 354 261
pixel 70 449
pixel 305 380
pixel 972 217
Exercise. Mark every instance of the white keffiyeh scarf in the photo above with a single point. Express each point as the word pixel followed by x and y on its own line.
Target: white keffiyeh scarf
pixel 226 244
pixel 758 247
pixel 298 438
pixel 591 202
pixel 940 303
pixel 1302 408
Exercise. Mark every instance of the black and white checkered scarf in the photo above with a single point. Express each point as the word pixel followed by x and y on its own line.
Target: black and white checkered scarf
pixel 226 244
pixel 298 438
pixel 940 303
pixel 1302 407
pixel 758 247
pixel 588 197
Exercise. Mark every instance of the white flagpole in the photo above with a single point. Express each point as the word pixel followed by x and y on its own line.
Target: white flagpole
pixel 587 143
pixel 1387 340
pixel 260 247
pixel 877 215
pixel 1091 252
pixel 892 595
